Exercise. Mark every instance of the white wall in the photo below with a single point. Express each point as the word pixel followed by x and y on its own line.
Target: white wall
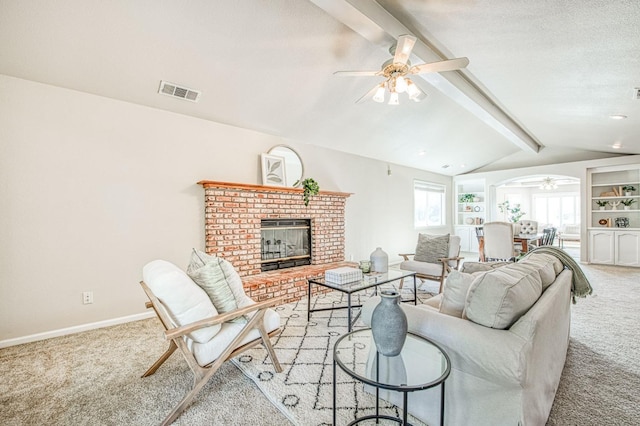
pixel 91 189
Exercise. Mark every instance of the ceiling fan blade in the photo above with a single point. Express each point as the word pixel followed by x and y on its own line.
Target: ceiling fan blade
pixel 403 49
pixel 357 73
pixel 369 94
pixel 440 66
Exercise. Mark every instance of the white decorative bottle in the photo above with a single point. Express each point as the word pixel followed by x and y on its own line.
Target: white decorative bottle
pixel 379 261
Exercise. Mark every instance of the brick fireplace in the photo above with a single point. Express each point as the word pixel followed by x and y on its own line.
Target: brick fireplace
pixel 233 216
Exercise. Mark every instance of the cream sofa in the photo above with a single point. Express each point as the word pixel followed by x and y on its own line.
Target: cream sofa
pixel 507 371
pixel 568 233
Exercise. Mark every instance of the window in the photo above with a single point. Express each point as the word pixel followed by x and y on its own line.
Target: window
pixel 557 209
pixel 429 204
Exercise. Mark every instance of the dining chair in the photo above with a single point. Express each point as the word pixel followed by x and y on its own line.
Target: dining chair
pixel 497 242
pixel 548 236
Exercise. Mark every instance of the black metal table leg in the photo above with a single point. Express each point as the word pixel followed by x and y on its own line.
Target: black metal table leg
pixel 334 392
pixel 442 404
pixel 415 290
pixel 404 408
pixel 349 310
pixel 309 301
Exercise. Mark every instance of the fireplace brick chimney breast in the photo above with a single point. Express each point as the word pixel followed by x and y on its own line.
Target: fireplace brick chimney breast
pixel 233 214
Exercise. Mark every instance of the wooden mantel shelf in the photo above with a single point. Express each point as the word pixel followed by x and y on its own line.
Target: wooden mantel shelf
pixel 250 187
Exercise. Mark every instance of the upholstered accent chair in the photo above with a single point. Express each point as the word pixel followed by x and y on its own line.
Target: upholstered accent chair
pixel 568 233
pixel 528 227
pixel 205 335
pixel 433 259
pixel 497 242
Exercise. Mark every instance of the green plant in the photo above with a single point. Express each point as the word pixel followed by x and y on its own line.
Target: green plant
pixel 628 188
pixel 309 188
pixel 466 198
pixel 628 201
pixel 601 203
pixel 513 213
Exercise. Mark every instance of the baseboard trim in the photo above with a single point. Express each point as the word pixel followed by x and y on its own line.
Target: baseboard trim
pixel 75 329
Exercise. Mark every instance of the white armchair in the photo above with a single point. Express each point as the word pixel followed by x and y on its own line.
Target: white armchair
pixel 205 337
pixel 437 268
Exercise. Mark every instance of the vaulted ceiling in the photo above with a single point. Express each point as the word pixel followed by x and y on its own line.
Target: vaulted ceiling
pixel 542 82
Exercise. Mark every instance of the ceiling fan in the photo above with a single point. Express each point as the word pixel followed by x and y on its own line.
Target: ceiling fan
pixel 397 69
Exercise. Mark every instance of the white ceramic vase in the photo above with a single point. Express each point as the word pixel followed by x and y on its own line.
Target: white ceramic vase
pixel 379 261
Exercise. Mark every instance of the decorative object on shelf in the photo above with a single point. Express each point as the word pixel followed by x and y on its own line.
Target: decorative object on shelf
pixel 608 194
pixel 614 205
pixel 627 202
pixel 512 214
pixel 548 184
pixel 476 209
pixel 468 208
pixel 294 169
pixel 628 189
pixel 273 172
pixel 602 204
pixel 469 221
pixel 365 266
pixel 389 324
pixel 622 222
pixel 603 222
pixel 310 187
pixel 379 260
pixel 466 198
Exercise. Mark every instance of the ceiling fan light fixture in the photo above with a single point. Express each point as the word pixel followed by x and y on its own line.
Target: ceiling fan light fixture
pixel 412 90
pixel 401 84
pixel 393 99
pixel 379 96
pixel 548 184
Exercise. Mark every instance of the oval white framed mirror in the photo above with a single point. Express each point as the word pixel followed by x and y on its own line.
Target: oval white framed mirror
pixel 293 164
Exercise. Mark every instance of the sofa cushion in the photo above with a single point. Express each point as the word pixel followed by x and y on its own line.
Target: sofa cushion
pixel 473 267
pixel 422 267
pixel 430 248
pixel 184 301
pixel 548 267
pixel 499 297
pixel 454 293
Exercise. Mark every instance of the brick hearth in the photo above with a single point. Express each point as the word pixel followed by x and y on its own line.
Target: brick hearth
pixel 233 213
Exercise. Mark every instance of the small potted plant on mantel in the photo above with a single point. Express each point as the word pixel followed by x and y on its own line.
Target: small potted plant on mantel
pixel 601 203
pixel 627 203
pixel 628 189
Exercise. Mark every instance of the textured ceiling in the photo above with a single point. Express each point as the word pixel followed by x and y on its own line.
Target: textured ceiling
pixel 557 70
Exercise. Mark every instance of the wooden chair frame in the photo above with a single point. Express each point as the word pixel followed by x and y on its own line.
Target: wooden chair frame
pixel 446 268
pixel 203 374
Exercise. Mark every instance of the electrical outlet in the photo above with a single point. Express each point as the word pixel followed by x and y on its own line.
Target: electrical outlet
pixel 87 297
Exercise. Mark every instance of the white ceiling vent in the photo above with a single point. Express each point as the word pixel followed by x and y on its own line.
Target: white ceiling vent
pixel 172 89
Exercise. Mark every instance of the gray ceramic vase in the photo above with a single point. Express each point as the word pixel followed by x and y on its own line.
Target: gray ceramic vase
pixel 389 324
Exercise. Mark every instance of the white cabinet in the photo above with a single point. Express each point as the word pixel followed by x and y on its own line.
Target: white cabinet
pixel 614 215
pixel 627 248
pixel 602 247
pixel 468 239
pixel 610 247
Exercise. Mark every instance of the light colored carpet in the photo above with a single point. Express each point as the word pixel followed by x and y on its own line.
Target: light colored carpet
pixel 93 378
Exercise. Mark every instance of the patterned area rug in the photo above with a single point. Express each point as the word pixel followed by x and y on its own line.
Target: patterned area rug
pixel 304 390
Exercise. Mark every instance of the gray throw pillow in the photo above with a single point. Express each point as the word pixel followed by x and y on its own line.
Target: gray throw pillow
pixel 430 248
pixel 209 273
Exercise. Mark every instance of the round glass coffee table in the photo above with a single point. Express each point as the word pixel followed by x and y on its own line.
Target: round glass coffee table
pixel 421 365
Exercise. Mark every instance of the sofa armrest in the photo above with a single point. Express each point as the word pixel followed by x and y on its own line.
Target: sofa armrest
pixel 494 355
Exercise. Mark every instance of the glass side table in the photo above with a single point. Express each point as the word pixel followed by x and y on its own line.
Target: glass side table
pixel 421 364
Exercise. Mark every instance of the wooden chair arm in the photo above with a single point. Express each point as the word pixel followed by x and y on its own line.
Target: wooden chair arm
pixel 405 255
pixel 219 319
